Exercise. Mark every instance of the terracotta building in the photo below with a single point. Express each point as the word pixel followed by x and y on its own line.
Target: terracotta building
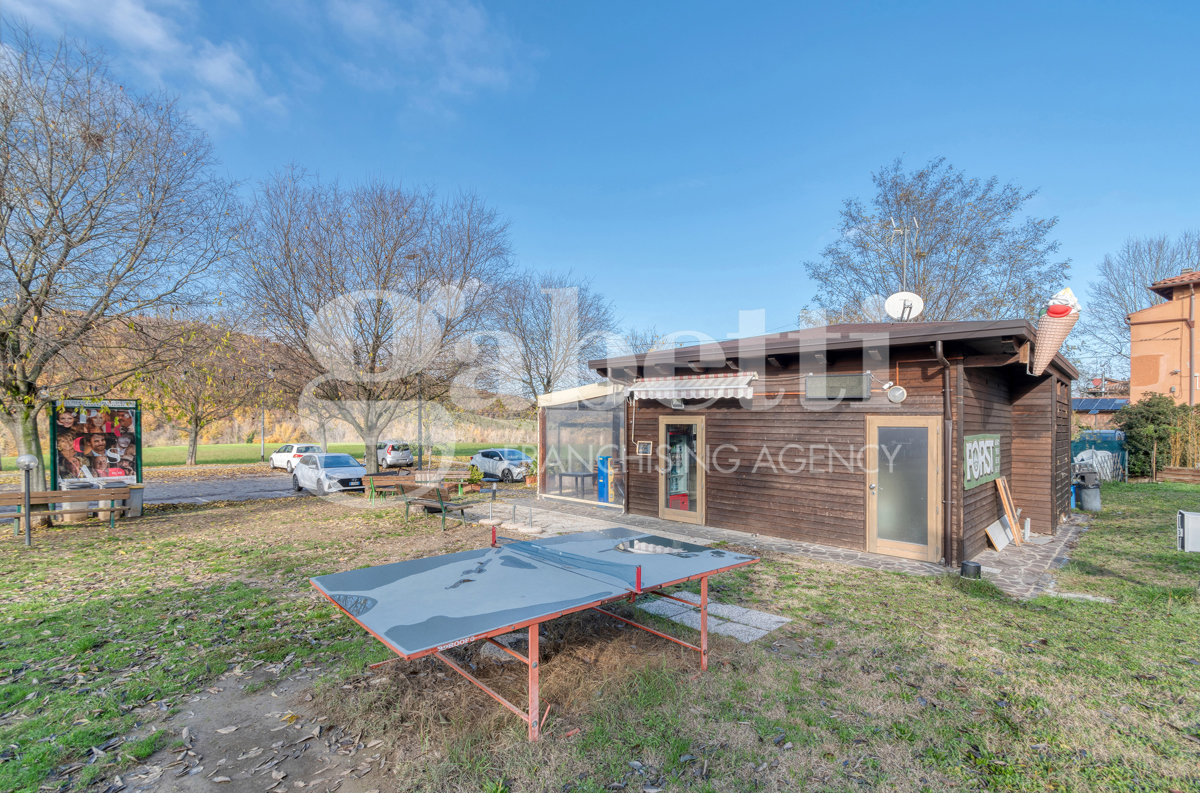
pixel 1162 342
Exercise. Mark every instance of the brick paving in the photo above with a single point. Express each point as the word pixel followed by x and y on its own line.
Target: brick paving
pixel 1022 572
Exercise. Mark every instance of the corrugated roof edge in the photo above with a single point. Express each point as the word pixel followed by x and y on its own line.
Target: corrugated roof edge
pixel 833 337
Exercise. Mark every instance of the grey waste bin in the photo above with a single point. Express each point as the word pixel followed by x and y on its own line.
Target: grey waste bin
pixel 135 501
pixel 1086 481
pixel 1089 496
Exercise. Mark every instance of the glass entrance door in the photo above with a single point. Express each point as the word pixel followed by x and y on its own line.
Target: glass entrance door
pixel 680 473
pixel 903 507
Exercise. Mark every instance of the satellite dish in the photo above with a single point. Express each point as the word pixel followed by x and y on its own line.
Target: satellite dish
pixel 904 306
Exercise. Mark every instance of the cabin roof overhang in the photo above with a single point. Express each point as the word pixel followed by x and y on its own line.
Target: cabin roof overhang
pixel 983 336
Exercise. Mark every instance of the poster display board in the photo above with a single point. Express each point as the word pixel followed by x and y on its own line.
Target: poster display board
pixel 96 443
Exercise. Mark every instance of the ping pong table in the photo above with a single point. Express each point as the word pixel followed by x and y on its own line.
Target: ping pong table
pixel 425 607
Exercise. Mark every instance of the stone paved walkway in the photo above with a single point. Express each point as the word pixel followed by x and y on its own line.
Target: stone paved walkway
pixel 1028 571
pixel 743 624
pixel 1022 572
pixel 562 516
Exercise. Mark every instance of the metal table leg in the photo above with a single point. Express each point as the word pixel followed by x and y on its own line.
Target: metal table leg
pixel 534 725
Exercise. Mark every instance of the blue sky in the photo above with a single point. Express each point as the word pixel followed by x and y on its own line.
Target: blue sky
pixel 687 156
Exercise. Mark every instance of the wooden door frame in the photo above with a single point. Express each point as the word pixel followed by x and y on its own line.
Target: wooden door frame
pixel 933 549
pixel 679 516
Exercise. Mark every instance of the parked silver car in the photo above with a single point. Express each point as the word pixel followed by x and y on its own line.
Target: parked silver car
pixel 393 454
pixel 507 465
pixel 328 473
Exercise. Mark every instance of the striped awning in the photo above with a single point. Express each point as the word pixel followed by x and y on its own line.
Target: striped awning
pixel 701 386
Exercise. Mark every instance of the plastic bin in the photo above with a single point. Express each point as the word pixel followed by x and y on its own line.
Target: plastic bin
pixel 1089 497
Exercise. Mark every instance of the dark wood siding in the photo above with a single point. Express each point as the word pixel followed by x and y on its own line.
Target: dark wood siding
pixel 1032 451
pixel 821 499
pixel 1062 452
pixel 987 408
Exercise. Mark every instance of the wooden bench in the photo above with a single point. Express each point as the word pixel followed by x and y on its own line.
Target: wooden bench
pixel 439 506
pixel 66 497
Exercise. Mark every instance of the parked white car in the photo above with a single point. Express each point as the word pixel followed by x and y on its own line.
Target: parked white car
pixel 393 454
pixel 507 465
pixel 285 457
pixel 328 473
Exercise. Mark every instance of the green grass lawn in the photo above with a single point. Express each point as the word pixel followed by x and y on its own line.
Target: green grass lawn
pixel 881 681
pixel 244 453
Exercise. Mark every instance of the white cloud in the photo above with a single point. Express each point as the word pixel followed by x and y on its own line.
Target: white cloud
pixel 216 81
pixel 430 52
pixel 431 47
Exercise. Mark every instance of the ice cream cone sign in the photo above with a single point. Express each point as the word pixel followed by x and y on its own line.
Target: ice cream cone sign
pixel 1055 322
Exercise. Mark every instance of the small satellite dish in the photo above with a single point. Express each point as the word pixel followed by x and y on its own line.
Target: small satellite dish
pixel 904 306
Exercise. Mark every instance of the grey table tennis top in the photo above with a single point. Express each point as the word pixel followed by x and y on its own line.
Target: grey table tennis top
pixel 423 604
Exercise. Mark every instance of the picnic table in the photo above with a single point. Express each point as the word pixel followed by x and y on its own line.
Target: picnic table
pixel 385 484
pixel 427 477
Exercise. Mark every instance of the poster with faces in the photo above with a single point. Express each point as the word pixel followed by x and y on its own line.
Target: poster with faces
pixel 96 443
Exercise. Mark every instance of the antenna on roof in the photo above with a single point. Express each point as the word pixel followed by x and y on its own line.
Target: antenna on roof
pixel 902 232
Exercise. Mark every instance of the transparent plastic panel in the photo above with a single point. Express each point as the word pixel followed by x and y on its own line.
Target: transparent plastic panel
pixel 583 453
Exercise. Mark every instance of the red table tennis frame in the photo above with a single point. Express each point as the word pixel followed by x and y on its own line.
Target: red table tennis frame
pixel 530 717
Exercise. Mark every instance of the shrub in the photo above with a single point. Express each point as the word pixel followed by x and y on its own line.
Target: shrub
pixel 1145 422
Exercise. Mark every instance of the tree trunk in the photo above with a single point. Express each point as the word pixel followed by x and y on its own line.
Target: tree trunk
pixel 193 441
pixel 29 441
pixel 371 458
pixel 324 437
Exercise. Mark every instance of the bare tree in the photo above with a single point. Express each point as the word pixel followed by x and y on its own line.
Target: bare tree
pixel 369 288
pixel 110 217
pixel 549 326
pixel 1122 288
pixel 968 251
pixel 637 341
pixel 224 373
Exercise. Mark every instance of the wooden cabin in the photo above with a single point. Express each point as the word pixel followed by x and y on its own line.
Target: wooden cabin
pixel 840 435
